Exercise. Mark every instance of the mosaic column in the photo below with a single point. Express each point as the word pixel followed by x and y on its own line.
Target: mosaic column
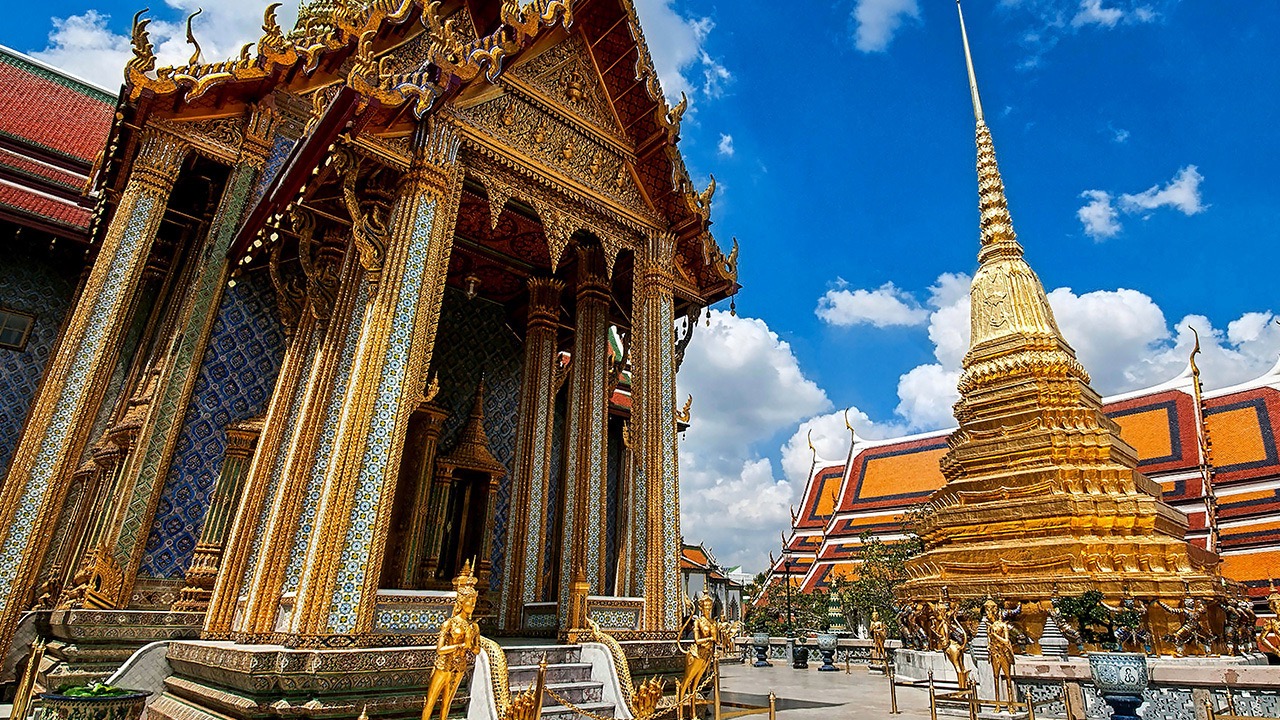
pixel 242 438
pixel 585 525
pixel 437 504
pixel 240 552
pixel 427 504
pixel 45 457
pixel 655 488
pixel 338 592
pixel 157 434
pixel 535 428
pixel 290 514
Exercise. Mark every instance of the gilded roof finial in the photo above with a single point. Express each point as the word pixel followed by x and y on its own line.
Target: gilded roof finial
pixel 968 60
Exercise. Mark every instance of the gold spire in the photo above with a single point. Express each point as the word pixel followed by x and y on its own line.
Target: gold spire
pixel 1010 310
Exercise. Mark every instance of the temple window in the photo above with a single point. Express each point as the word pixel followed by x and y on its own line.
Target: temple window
pixel 15 328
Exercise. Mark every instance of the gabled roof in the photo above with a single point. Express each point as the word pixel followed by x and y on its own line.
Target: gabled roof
pixel 52 128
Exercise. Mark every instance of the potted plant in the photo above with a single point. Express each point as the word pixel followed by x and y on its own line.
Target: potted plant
pixel 95 701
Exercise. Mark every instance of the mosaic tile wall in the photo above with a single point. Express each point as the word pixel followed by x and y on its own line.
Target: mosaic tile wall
pixel 613 478
pixel 473 339
pixel 235 381
pixel 280 150
pixel 27 284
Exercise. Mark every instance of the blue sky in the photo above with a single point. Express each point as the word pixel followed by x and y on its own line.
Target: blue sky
pixel 1137 141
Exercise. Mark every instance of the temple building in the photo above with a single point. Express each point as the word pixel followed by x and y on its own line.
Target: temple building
pixel 398 292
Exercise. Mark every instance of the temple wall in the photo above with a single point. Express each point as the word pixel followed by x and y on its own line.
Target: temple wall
pixel 27 284
pixel 473 340
pixel 234 383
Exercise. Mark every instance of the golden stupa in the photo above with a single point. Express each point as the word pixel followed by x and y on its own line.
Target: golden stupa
pixel 1042 495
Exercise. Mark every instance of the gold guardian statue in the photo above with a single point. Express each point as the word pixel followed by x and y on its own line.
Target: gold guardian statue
pixel 459 641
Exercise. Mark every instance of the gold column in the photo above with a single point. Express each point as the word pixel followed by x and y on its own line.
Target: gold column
pixel 175 375
pixel 585 527
pixel 46 455
pixel 426 440
pixel 655 489
pixel 259 486
pixel 437 504
pixel 534 435
pixel 339 585
pixel 306 450
pixel 242 438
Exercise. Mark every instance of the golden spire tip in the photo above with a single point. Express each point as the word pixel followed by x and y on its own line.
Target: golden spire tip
pixel 968 61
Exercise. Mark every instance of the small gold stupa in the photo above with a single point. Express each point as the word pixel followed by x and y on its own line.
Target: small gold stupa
pixel 1042 494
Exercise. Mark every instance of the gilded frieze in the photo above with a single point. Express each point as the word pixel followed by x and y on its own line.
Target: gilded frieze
pixel 519 123
pixel 565 76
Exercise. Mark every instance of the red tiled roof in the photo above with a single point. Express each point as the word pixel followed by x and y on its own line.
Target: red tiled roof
pixel 28 168
pixel 52 111
pixel 27 202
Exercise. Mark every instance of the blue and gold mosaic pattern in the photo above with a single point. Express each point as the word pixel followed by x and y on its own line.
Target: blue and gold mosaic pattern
pixel 383 425
pixel 324 448
pixel 27 285
pixel 133 242
pixel 234 383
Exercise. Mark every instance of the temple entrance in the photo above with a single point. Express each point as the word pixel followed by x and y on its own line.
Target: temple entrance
pixel 464 528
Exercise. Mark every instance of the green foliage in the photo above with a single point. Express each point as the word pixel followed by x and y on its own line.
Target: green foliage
pixel 1094 620
pixel 883 570
pixel 808 611
pixel 94 690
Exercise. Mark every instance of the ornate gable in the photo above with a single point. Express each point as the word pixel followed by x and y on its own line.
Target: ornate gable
pixel 566 76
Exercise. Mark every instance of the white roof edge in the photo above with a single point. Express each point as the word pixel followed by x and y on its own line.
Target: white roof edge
pixel 1270 378
pixel 1182 381
pixel 60 71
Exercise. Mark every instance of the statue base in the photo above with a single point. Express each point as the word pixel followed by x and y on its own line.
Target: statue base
pixel 914 666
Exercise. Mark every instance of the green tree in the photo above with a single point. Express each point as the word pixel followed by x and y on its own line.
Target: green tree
pixel 883 569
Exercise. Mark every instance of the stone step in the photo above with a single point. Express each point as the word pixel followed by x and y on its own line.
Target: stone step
pixel 560 712
pixel 526 675
pixel 578 693
pixel 533 654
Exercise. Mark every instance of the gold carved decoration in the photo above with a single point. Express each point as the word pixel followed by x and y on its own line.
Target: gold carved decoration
pixel 368 217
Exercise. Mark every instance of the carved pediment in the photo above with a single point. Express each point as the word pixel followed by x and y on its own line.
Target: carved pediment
pixel 566 75
pixel 525 126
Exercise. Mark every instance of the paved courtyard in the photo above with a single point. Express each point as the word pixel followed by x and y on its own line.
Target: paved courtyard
pixel 811 694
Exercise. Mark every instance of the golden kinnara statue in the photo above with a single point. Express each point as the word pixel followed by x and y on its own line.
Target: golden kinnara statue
pixel 701 655
pixel 879 633
pixel 459 641
pixel 1000 649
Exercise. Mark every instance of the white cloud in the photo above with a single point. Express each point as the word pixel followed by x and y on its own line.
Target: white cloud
pixel 1091 12
pixel 885 306
pixel 926 394
pixel 1120 135
pixel 84 45
pixel 879 20
pixel 678 46
pixel 726 145
pixel 721 474
pixel 1100 216
pixel 1182 193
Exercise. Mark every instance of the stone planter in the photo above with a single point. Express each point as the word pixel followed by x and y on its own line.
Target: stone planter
pixel 118 707
pixel 1121 678
pixel 827 646
pixel 760 642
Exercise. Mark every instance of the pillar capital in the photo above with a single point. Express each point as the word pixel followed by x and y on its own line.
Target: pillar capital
pixel 544 301
pixel 159 158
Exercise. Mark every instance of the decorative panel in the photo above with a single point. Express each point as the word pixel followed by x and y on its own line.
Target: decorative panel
pixel 234 383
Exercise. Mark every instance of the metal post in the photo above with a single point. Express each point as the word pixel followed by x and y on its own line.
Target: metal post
pixel 933 703
pixel 791 628
pixel 773 706
pixel 893 689
pixel 715 668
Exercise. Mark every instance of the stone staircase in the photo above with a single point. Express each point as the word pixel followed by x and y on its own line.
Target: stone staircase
pixel 567 676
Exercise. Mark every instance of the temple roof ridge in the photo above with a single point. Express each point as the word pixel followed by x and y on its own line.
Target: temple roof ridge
pixel 1270 378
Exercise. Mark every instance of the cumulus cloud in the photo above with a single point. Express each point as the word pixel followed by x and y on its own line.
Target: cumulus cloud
pixel 721 467
pixel 1100 216
pixel 886 306
pixel 84 44
pixel 1182 193
pixel 678 46
pixel 877 21
pixel 725 147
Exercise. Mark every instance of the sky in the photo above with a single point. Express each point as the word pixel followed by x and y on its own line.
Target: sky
pixel 1137 143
